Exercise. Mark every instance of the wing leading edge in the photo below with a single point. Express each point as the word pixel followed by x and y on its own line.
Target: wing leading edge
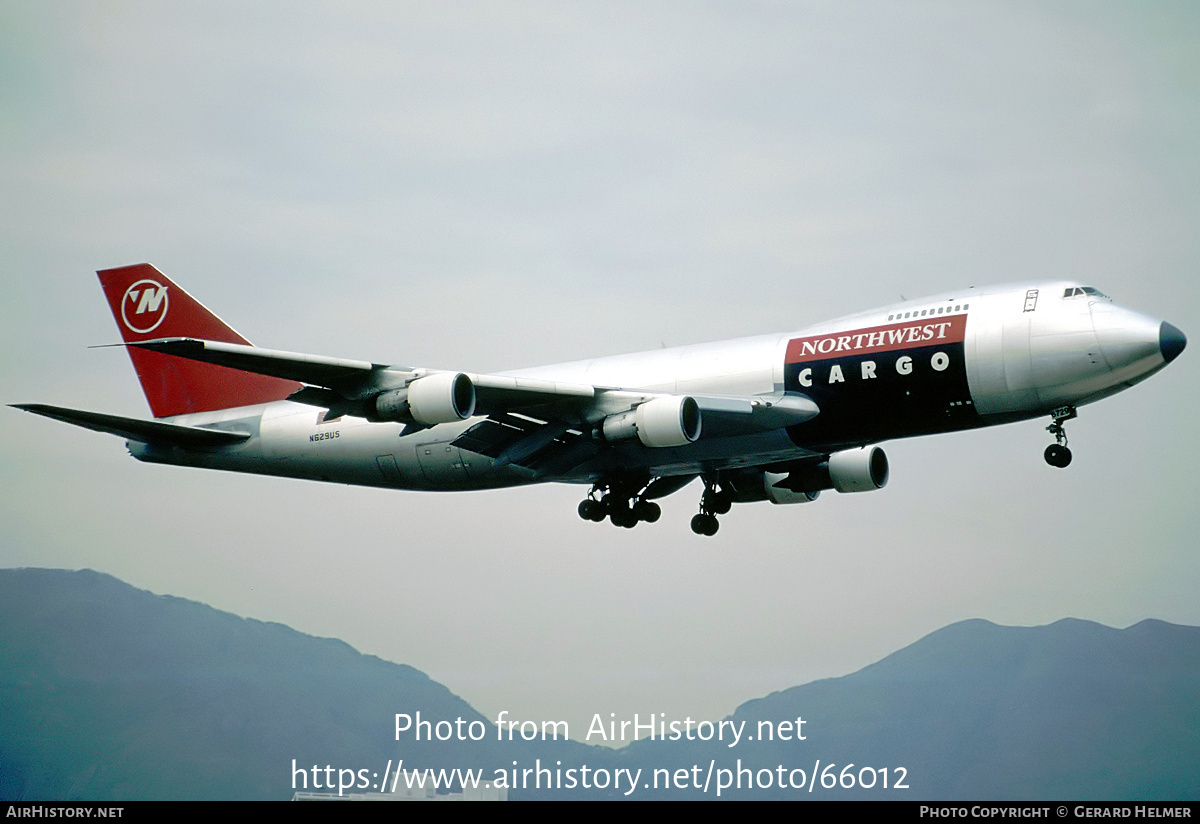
pixel 355 380
pixel 543 425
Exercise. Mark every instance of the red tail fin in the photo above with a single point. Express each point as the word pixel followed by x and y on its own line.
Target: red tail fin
pixel 148 306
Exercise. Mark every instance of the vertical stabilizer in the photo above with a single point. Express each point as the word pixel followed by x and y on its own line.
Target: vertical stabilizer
pixel 147 306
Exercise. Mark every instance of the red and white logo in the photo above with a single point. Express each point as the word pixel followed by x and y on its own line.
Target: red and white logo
pixel 144 306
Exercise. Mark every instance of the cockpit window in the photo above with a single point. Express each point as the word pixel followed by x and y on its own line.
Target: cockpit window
pixel 1077 291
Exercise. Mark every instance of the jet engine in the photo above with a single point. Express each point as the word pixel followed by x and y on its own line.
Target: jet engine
pixel 783 495
pixel 443 397
pixel 669 421
pixel 851 470
pixel 745 486
pixel 858 470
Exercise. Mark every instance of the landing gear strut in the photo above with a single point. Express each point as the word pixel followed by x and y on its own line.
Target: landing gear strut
pixel 712 503
pixel 1057 454
pixel 621 503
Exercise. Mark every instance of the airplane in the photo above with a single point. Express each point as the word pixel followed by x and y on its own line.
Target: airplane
pixel 777 418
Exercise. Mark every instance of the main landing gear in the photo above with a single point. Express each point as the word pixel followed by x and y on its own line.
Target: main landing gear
pixel 1057 454
pixel 622 504
pixel 712 503
pixel 626 502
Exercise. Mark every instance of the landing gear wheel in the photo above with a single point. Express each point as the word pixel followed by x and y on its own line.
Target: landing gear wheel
pixel 591 510
pixel 1058 456
pixel 705 524
pixel 623 517
pixel 718 503
pixel 647 511
pixel 1057 453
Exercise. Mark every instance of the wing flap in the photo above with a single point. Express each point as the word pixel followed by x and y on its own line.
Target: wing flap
pixel 545 447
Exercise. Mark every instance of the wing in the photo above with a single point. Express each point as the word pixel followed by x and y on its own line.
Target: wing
pixel 353 380
pixel 540 424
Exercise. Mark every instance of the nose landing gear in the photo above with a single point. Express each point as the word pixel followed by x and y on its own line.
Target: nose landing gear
pixel 1057 454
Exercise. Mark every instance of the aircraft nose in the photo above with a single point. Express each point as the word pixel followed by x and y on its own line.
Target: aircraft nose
pixel 1170 341
pixel 1134 345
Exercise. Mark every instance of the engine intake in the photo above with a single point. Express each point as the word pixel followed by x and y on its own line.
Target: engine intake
pixel 859 470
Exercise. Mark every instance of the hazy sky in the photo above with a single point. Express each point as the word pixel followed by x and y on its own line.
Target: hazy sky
pixel 492 185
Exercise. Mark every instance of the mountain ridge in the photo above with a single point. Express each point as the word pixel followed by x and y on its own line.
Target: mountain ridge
pixel 113 692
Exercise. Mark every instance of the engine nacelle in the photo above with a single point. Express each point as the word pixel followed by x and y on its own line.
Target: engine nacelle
pixel 443 397
pixel 858 470
pixel 851 470
pixel 670 421
pixel 783 495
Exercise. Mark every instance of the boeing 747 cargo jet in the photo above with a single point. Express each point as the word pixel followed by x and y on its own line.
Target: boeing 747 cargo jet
pixel 773 418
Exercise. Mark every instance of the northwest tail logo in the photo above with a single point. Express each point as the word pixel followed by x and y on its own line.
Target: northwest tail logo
pixel 144 306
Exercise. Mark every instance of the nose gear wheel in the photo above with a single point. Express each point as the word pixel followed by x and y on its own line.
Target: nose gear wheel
pixel 1057 454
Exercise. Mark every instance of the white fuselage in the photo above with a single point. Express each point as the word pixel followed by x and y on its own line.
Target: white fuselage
pixel 953 361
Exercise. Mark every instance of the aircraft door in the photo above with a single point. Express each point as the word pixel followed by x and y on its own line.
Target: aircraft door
pixel 1018 365
pixel 389 469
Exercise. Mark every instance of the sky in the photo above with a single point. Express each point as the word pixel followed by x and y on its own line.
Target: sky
pixel 483 186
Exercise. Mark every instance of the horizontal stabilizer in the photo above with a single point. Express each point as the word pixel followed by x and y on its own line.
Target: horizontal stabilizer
pixel 156 432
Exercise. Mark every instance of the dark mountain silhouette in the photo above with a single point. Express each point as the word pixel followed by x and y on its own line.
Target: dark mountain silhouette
pixel 109 692
pixel 1073 710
